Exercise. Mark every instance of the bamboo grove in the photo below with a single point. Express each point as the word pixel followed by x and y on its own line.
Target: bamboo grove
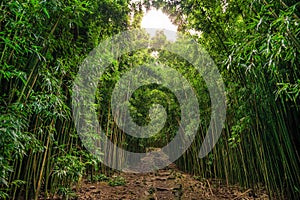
pixel 255 45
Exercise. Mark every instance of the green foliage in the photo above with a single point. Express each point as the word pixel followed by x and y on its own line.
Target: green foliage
pixel 256 46
pixel 41 44
pixel 3 195
pixel 254 43
pixel 117 181
pixel 66 193
pixel 100 177
pixel 68 167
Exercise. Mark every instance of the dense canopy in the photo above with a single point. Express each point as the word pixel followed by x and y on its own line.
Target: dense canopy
pixel 254 43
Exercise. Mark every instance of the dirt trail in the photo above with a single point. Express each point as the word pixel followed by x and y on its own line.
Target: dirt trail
pixel 169 183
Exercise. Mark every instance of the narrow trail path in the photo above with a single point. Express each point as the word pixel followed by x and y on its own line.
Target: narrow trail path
pixel 169 183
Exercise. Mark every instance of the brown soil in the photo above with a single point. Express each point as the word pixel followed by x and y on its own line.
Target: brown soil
pixel 169 183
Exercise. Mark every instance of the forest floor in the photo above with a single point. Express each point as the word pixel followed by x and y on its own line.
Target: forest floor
pixel 168 183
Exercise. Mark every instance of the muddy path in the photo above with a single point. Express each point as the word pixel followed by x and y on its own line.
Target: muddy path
pixel 169 183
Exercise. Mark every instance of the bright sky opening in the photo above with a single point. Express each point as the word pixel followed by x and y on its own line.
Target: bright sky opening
pixel 158 20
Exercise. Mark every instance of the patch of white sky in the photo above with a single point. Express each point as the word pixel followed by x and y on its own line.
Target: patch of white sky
pixel 157 19
pixel 154 20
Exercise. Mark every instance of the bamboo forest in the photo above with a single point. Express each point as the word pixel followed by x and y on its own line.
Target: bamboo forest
pixel 239 139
